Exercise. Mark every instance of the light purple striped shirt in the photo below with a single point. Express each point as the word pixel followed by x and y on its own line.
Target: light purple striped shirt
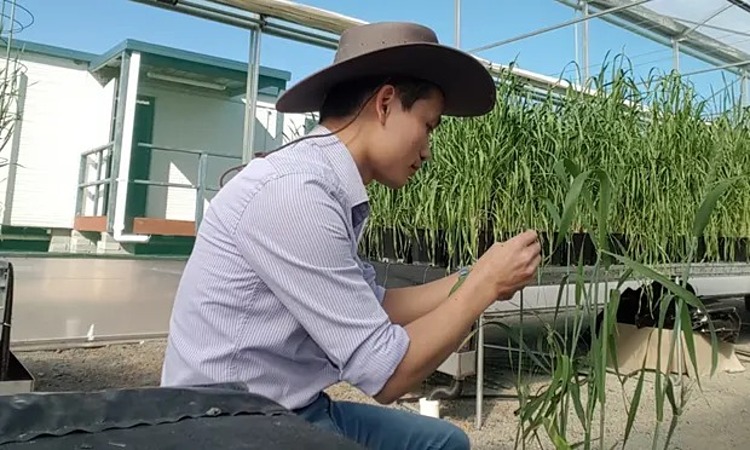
pixel 274 294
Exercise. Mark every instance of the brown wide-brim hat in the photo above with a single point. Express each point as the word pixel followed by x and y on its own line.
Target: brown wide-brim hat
pixel 398 49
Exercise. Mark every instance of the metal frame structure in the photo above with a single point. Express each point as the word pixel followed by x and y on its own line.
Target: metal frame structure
pixel 681 35
pixel 307 24
pixel 639 19
pixel 284 18
pixel 310 25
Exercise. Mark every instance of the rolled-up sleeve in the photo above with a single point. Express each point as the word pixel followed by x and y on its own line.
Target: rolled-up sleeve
pixel 371 278
pixel 293 234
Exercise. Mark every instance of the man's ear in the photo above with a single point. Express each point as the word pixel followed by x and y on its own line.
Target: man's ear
pixel 384 102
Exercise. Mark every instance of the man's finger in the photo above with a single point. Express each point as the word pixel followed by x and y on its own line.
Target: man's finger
pixel 526 238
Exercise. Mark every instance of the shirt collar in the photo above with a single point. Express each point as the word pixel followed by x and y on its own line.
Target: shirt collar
pixel 342 164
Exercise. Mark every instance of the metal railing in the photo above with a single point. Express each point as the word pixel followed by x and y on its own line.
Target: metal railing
pixel 105 180
pixel 200 185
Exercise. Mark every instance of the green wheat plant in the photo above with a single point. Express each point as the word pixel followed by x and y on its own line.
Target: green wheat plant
pixel 492 177
pixel 579 376
pixel 635 183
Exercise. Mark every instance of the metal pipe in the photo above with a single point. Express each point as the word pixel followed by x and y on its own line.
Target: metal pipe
pixel 558 26
pixel 82 169
pixel 126 108
pixel 289 11
pixel 273 29
pixel 164 184
pixel 585 42
pixel 706 20
pixel 99 175
pixel 457 23
pixel 662 31
pixel 184 150
pixel 721 67
pixel 200 195
pixel 480 373
pixel 294 35
pixel 122 86
pixel 202 12
pixel 98 149
pixel 7 318
pixel 15 147
pixel 94 183
pixel 251 95
pixel 245 22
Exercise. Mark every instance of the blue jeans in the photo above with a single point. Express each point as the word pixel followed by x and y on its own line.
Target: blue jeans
pixel 380 428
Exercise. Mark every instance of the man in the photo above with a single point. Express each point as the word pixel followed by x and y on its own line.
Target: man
pixel 274 294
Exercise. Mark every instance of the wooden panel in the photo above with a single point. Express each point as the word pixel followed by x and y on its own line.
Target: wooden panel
pixel 90 223
pixel 163 227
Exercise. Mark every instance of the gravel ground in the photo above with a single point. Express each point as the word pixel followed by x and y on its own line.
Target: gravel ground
pixel 712 419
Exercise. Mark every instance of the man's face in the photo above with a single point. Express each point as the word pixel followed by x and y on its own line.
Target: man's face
pixel 401 141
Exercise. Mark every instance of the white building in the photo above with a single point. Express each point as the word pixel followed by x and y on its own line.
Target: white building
pixel 148 116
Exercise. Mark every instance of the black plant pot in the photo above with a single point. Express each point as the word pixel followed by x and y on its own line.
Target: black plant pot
pixel 396 245
pixel 555 256
pixel 486 240
pixel 582 249
pixel 423 249
pixel 739 249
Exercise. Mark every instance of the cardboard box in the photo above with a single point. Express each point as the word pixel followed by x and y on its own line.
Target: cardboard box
pixel 634 344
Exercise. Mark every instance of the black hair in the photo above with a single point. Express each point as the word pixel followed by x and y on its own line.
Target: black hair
pixel 345 99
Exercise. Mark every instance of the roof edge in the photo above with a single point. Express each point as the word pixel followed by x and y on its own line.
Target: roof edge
pixel 52 50
pixel 186 55
pixel 97 61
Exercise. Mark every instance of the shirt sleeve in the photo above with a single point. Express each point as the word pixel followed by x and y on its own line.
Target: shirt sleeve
pixel 293 234
pixel 371 278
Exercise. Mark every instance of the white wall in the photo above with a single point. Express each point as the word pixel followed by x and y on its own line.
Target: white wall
pixel 66 111
pixel 188 120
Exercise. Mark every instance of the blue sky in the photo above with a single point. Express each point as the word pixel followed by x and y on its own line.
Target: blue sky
pixel 97 25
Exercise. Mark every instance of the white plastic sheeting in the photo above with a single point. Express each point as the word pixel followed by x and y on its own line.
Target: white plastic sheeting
pixel 727 21
pixel 715 31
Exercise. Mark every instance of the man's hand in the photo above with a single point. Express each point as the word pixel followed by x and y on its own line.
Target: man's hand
pixel 508 266
pixel 500 272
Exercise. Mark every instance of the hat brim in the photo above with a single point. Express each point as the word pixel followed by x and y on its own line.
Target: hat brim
pixel 467 85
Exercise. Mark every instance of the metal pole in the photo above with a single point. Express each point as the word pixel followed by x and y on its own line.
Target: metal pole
pixel 457 23
pixel 80 191
pixel 200 194
pixel 247 22
pixel 577 47
pixel 122 89
pixel 676 55
pixel 585 42
pixel 558 26
pixel 251 95
pixel 480 372
pixel 744 88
